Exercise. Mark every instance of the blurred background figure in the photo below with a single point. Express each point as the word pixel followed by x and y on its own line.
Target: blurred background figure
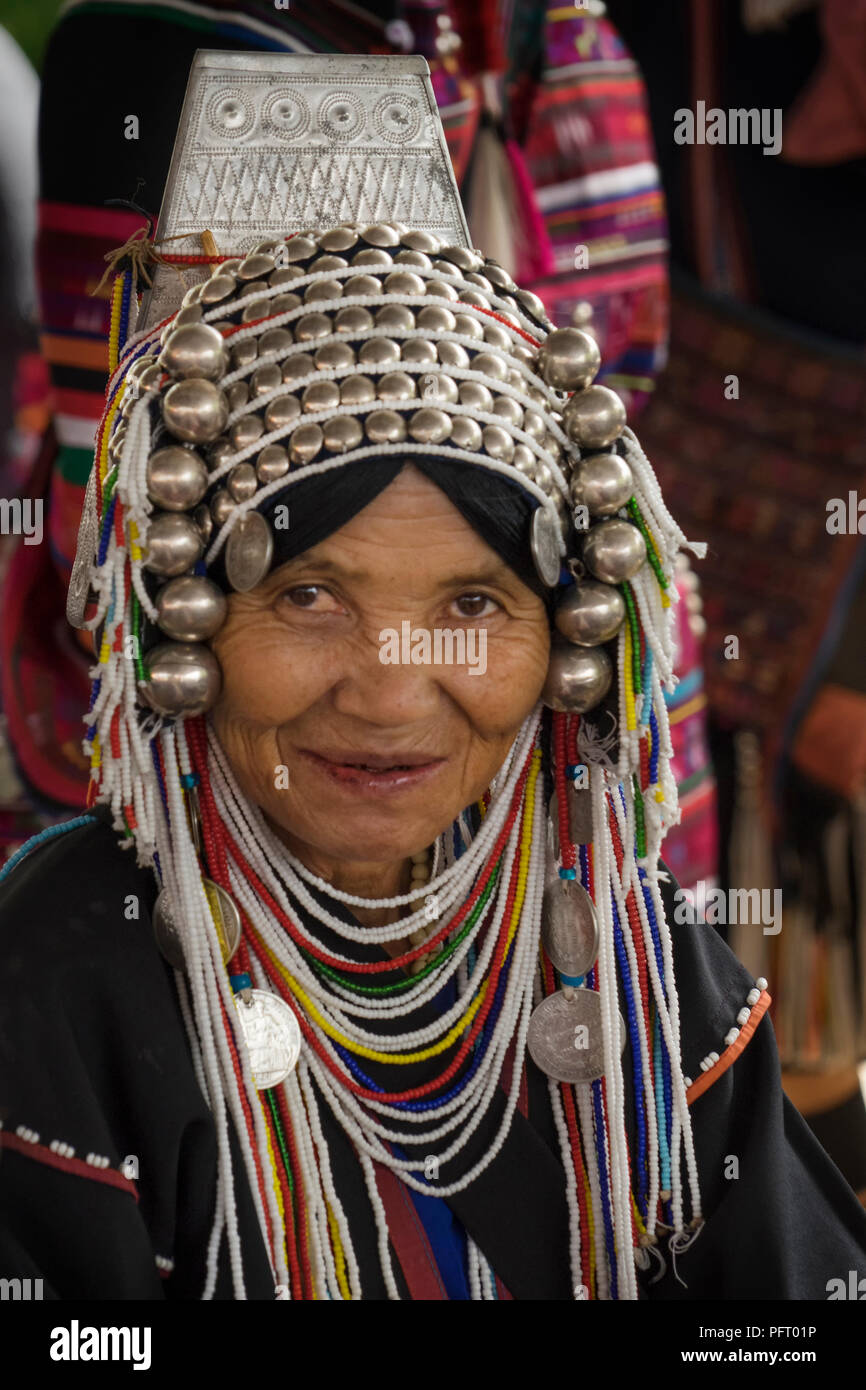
pixel 758 425
pixel 24 408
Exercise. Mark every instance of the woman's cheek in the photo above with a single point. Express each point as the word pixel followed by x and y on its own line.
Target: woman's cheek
pixel 502 681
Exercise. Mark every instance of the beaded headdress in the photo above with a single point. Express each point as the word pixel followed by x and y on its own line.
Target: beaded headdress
pixel 310 352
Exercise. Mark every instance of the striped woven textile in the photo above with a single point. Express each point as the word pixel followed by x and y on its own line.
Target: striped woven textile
pixel 585 133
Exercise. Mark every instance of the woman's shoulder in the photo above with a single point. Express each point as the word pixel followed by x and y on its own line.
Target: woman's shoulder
pixel 77 892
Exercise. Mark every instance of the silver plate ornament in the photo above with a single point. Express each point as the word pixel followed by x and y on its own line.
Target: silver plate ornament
pixel 85 555
pixel 569 927
pixel 579 818
pixel 544 540
pixel 565 1036
pixel 271 144
pixel 272 1036
pixel 249 552
pixel 225 916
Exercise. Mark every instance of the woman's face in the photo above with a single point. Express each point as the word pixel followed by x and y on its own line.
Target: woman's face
pixel 358 758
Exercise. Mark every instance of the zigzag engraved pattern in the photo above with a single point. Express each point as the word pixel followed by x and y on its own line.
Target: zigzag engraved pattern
pixel 269 188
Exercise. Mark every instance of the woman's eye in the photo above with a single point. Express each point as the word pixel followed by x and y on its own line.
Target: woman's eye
pixel 310 596
pixel 474 605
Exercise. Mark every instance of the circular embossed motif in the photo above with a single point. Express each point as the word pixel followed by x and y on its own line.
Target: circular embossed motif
pixel 286 114
pixel 230 112
pixel 340 116
pixel 397 117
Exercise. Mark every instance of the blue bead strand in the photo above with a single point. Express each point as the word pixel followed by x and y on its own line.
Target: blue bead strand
pixel 50 832
pixel 637 1067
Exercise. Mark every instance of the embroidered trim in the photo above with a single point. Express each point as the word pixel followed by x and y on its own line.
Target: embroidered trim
pixel 757 1003
pixel 60 1155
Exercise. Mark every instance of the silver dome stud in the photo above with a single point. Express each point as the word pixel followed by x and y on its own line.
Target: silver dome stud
pixel 194 410
pixel 490 364
pixel 334 356
pixel 323 289
pixel 498 443
pixel 173 544
pixel 373 257
pixel 395 318
pixel 507 408
pixel 589 613
pixel 193 313
pixel 281 412
pixel 437 386
pixel 466 433
pixel 385 427
pixel 453 354
pixel 602 483
pixel 300 248
pixel 246 431
pixel 357 390
pixel 419 240
pixel 312 326
pixel 215 290
pixel 245 353
pixel 418 259
pixel 577 677
pixel 396 386
pixel 296 367
pixel 594 418
pixel 305 443
pixel 338 239
pixel 354 319
pixel 378 352
pixel 614 551
pixel 419 350
pixel 476 395
pixel 320 395
pixel 362 284
pixel 569 359
pixel 275 340
pixel 467 325
pixel 381 234
pixel 242 482
pixel 429 425
pixel 436 318
pixel 221 506
pixel 184 679
pixel 176 478
pixel 342 433
pixel 238 394
pixel 255 266
pixel 272 463
pixel 191 608
pixel 442 290
pixel 265 379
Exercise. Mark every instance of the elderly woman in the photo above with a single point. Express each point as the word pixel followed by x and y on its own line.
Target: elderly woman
pixel 358 980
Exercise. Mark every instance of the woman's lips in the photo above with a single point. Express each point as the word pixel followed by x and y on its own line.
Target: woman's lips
pixel 374 772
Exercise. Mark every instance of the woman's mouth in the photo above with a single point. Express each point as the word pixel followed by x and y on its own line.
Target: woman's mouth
pixel 374 772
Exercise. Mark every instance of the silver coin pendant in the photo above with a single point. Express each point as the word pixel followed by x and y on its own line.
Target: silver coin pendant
pixel 544 542
pixel 249 551
pixel 569 927
pixel 272 1036
pixel 565 1038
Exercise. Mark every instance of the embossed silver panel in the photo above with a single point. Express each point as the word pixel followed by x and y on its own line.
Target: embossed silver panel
pixel 274 143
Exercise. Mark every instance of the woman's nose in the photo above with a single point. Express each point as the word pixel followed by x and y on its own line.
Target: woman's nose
pixel 380 689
